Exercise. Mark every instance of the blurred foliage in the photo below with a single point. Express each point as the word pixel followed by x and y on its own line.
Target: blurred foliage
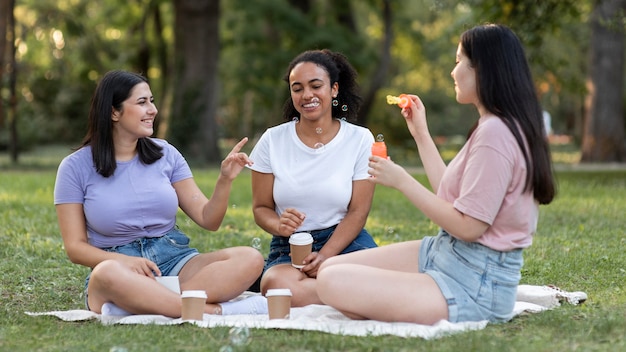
pixel 65 46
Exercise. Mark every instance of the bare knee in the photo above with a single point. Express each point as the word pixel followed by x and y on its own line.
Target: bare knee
pixel 255 259
pixel 327 282
pixel 274 278
pixel 249 258
pixel 326 263
pixel 105 273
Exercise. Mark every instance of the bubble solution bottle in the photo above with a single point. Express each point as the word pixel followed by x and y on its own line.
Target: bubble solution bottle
pixel 379 148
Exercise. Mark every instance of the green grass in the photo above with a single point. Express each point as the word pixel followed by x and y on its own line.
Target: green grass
pixel 579 246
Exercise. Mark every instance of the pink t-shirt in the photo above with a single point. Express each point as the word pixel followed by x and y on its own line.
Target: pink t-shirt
pixel 486 181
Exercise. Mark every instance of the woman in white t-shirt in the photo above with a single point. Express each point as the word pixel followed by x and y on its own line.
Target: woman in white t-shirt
pixel 310 173
pixel 485 201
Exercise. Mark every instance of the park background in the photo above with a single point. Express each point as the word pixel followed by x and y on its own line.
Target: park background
pixel 216 67
pixel 216 70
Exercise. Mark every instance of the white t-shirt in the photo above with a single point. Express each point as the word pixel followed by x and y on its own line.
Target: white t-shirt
pixel 485 180
pixel 317 182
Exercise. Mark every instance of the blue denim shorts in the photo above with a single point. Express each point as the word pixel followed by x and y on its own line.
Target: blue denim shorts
pixel 279 247
pixel 169 252
pixel 478 283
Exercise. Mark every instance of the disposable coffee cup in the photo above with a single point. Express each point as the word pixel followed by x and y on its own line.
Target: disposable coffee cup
pixel 279 303
pixel 193 304
pixel 171 282
pixel 300 244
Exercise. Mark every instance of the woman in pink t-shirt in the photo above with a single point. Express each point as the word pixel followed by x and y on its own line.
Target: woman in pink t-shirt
pixel 485 201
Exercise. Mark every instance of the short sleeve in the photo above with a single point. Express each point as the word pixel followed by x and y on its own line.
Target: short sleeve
pixel 361 166
pixel 180 167
pixel 68 187
pixel 260 155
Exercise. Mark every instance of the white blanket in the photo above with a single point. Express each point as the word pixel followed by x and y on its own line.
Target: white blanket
pixel 322 318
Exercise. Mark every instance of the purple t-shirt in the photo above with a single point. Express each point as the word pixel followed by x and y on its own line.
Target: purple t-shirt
pixel 136 201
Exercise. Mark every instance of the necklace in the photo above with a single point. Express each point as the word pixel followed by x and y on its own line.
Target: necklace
pixel 319 130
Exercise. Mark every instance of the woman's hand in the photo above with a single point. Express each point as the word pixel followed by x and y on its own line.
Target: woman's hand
pixel 290 220
pixel 386 172
pixel 140 265
pixel 415 116
pixel 312 263
pixel 235 161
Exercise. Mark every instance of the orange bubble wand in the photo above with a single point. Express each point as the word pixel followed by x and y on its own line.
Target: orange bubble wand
pixel 379 148
pixel 403 101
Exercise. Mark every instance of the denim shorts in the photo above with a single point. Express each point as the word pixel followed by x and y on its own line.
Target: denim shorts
pixel 279 247
pixel 478 283
pixel 169 252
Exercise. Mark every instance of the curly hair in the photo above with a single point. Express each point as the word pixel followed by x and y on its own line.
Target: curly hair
pixel 339 71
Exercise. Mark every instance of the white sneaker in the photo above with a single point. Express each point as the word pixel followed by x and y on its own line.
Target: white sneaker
pixel 110 309
pixel 256 304
pixel 548 296
pixel 577 297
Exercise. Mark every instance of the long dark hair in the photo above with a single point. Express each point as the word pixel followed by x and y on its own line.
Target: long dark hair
pixel 506 89
pixel 339 71
pixel 113 89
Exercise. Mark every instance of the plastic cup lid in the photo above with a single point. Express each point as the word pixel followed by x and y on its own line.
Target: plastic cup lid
pixel 278 292
pixel 194 293
pixel 301 238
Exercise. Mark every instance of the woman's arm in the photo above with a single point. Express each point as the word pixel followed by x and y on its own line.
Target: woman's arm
pixel 73 228
pixel 347 229
pixel 440 211
pixel 209 212
pixel 415 116
pixel 354 221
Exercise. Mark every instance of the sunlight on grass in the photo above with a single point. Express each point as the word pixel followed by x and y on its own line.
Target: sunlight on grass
pixel 579 245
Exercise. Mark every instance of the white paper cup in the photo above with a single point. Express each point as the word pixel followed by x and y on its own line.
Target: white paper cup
pixel 278 303
pixel 193 304
pixel 300 244
pixel 171 282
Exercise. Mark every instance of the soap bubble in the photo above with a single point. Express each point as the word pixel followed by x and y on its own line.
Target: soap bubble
pixel 239 336
pixel 256 243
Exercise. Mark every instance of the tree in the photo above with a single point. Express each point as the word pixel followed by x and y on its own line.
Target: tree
pixel 379 76
pixel 193 126
pixel 603 138
pixel 5 9
pixel 7 23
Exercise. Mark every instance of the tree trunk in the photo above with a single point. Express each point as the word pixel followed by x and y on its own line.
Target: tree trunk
pixel 12 117
pixel 603 135
pixel 380 75
pixel 164 64
pixel 192 124
pixel 4 25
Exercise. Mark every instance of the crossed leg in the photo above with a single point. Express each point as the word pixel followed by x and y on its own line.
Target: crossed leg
pixel 382 284
pixel 223 274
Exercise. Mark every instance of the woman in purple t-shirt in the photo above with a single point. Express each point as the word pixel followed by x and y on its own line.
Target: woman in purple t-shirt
pixel 116 199
pixel 485 201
